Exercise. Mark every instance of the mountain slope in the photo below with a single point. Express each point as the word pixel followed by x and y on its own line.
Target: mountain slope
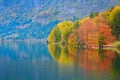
pixel 21 19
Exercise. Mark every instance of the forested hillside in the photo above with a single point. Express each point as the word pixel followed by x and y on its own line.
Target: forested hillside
pixel 34 19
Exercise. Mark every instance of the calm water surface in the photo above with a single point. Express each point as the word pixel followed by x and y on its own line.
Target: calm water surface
pixel 38 61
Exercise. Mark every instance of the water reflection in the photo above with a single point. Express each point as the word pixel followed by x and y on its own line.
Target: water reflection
pixel 29 60
pixel 24 60
pixel 116 68
pixel 95 64
pixel 16 50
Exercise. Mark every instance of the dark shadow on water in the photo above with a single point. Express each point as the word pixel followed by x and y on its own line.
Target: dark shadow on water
pixel 116 67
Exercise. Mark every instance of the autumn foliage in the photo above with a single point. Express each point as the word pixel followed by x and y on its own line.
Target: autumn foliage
pixel 91 30
pixel 100 28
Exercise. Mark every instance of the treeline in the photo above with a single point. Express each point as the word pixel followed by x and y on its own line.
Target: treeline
pixel 95 30
pixel 62 31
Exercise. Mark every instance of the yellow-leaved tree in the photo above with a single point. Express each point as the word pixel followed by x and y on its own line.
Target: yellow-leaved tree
pixel 114 18
pixel 61 32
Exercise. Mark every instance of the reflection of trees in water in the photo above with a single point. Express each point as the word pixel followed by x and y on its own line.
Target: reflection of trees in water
pixel 97 61
pixel 88 59
pixel 116 67
pixel 91 60
pixel 62 54
pixel 23 49
pixel 55 51
pixel 101 53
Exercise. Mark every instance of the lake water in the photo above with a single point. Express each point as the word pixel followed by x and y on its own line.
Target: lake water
pixel 32 60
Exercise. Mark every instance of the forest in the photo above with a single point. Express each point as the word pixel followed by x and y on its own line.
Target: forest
pixel 98 30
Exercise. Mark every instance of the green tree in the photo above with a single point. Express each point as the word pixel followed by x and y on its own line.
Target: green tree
pixel 116 25
pixel 76 24
pixel 61 32
pixel 93 14
pixel 101 41
pixel 57 34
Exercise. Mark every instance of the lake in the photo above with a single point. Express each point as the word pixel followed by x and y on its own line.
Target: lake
pixel 35 60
